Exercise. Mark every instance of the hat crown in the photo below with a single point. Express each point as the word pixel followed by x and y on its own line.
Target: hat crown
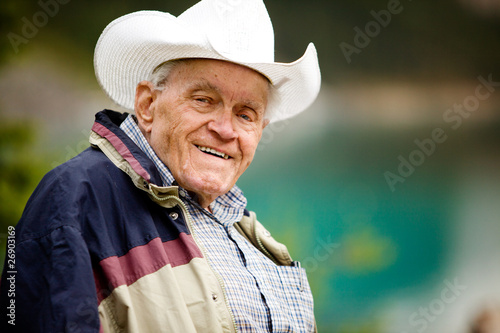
pixel 239 30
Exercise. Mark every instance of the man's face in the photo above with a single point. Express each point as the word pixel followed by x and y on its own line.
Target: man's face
pixel 206 124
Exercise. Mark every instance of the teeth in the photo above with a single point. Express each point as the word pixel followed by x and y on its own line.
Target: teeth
pixel 213 151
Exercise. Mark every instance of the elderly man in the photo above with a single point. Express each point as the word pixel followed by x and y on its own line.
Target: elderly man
pixel 146 231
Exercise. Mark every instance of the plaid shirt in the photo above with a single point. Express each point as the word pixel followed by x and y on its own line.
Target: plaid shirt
pixel 263 297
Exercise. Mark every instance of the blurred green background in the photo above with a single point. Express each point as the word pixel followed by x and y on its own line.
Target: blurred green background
pixel 380 257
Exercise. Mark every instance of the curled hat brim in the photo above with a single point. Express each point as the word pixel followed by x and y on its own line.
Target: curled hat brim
pixel 132 46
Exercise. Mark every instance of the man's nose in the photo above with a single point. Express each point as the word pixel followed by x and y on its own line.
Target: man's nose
pixel 223 125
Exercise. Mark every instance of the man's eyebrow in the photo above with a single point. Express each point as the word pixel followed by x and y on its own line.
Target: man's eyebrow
pixel 204 85
pixel 254 105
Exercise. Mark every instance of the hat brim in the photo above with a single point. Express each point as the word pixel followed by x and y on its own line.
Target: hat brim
pixel 132 46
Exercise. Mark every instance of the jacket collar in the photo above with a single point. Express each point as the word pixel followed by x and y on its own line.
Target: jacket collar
pixel 107 136
pixel 107 126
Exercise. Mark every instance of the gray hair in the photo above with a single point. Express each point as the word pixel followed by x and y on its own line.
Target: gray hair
pixel 160 74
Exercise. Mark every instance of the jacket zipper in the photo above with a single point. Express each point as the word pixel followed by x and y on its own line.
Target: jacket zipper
pixel 189 225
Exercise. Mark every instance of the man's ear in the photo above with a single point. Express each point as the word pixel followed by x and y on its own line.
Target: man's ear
pixel 145 95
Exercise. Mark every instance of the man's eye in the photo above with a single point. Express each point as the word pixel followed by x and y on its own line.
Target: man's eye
pixel 244 116
pixel 202 100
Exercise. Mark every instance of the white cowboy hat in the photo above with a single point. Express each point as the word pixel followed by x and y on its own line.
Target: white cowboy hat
pixel 239 31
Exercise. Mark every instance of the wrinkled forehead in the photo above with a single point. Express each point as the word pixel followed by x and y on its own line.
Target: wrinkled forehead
pixel 207 63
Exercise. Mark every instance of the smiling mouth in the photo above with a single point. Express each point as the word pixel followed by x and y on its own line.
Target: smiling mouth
pixel 213 152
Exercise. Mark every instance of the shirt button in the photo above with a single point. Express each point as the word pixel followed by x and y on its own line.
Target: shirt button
pixel 266 233
pixel 173 215
pixel 215 297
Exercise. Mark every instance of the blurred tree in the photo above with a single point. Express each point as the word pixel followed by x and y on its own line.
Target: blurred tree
pixel 428 39
pixel 21 168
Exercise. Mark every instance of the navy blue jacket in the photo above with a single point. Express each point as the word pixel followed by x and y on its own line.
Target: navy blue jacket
pixel 80 213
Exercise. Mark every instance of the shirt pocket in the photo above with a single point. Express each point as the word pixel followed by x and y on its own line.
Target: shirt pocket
pixel 296 296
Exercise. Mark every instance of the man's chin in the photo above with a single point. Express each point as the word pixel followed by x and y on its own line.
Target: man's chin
pixel 208 186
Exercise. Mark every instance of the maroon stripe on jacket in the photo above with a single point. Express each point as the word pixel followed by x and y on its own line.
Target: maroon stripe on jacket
pixel 143 260
pixel 122 149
